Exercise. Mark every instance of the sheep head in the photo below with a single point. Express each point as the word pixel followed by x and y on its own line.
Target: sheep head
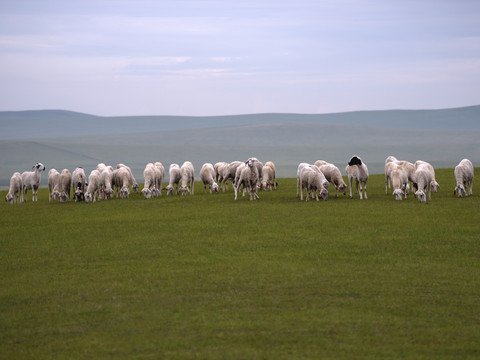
pixel 421 196
pixel 398 194
pixel 147 193
pixel 460 190
pixel 9 198
pixel 39 167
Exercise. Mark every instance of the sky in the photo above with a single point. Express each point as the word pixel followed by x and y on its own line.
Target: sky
pixel 203 58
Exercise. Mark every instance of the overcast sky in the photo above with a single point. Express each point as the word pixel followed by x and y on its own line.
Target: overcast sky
pixel 174 57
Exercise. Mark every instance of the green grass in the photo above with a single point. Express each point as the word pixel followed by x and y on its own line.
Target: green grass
pixel 206 277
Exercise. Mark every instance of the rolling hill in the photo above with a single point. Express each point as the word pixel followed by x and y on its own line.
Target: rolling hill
pixel 63 139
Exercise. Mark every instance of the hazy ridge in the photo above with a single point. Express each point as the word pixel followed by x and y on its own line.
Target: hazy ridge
pixel 66 139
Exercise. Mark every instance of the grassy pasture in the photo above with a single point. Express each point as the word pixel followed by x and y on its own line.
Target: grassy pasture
pixel 206 277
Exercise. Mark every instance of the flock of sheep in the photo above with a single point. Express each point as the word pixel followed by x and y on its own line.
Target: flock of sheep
pixel 250 176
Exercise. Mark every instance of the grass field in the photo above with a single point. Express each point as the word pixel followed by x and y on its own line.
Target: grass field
pixel 205 277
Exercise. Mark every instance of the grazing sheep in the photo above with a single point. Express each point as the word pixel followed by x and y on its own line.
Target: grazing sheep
pixel 392 163
pixel 269 175
pixel 399 178
pixel 149 181
pixel 53 185
pixel 434 185
pixel 230 172
pixel 248 177
pixel 123 180
pixel 464 178
pixel 106 183
pixel 334 176
pixel 15 191
pixel 188 173
pixel 314 181
pixel 65 185
pixel 131 180
pixel 79 177
pixel 358 170
pixel 299 170
pixel 159 175
pixel 94 185
pixel 31 180
pixel 424 178
pixel 220 172
pixel 207 174
pixel 175 175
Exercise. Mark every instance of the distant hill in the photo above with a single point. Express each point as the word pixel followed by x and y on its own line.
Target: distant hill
pixel 67 140
pixel 54 123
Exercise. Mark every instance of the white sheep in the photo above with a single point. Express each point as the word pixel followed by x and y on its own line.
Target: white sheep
pixel 131 180
pixel 159 175
pixel 15 191
pixel 107 182
pixel 123 179
pixel 269 176
pixel 434 185
pixel 230 172
pixel 391 163
pixel 79 180
pixel 248 178
pixel 175 175
pixel 221 169
pixel 313 180
pixel 334 176
pixel 464 178
pixel 31 180
pixel 53 185
pixel 207 175
pixel 149 181
pixel 65 185
pixel 94 185
pixel 299 170
pixel 188 173
pixel 358 170
pixel 399 178
pixel 424 178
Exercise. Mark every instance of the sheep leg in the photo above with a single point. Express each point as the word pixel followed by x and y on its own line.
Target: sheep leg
pixel 357 186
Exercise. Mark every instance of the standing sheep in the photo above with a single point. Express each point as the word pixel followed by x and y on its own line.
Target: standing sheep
pixel 434 185
pixel 269 176
pixel 31 180
pixel 175 175
pixel 188 173
pixel 94 184
pixel 159 175
pixel 149 181
pixel 230 172
pixel 53 185
pixel 314 181
pixel 358 170
pixel 15 191
pixel 248 177
pixel 424 178
pixel 123 182
pixel 207 175
pixel 65 185
pixel 79 181
pixel 131 180
pixel 106 182
pixel 221 169
pixel 464 178
pixel 334 176
pixel 399 180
